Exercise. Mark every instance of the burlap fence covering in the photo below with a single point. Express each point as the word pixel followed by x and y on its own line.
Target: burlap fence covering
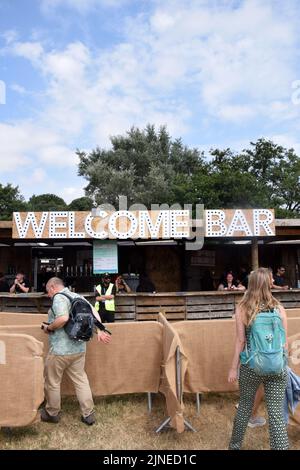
pixel 209 347
pixel 293 312
pixel 22 384
pixel 168 378
pixel 11 318
pixel 129 364
pixel 132 362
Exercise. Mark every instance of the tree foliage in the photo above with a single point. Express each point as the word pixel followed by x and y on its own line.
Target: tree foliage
pixel 11 201
pixel 266 175
pixel 148 167
pixel 81 204
pixel 143 165
pixel 46 202
pixel 277 171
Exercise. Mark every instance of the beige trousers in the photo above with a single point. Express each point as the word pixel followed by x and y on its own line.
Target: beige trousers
pixel 73 366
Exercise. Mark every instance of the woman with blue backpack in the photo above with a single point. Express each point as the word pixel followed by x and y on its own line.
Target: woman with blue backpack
pixel 260 358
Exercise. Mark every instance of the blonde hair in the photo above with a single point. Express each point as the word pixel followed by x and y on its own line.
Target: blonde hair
pixel 258 296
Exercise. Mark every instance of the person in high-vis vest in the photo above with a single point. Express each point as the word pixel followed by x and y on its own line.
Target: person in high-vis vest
pixel 105 300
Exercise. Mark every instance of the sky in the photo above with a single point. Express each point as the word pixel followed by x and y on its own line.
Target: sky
pixel 217 73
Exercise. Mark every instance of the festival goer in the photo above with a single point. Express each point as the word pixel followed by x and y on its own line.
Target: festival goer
pixel 121 286
pixel 105 300
pixel 230 283
pixel 279 281
pixel 65 355
pixel 20 285
pixel 257 299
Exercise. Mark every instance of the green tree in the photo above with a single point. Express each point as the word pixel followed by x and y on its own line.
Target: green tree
pixel 143 165
pixel 277 171
pixel 46 202
pixel 81 204
pixel 11 200
pixel 228 185
pixel 266 175
pixel 148 167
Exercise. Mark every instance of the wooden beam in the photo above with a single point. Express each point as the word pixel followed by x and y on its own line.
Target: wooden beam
pixel 5 224
pixel 254 254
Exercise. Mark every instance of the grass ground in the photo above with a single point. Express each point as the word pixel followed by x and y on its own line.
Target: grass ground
pixel 123 422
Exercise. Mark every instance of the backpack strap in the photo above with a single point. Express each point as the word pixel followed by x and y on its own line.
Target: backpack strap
pixel 97 323
pixel 60 293
pixel 64 294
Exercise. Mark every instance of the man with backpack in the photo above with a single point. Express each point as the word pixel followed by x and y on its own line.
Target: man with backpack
pixel 260 358
pixel 66 355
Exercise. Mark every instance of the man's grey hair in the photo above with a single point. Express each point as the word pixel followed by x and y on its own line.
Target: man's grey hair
pixel 55 282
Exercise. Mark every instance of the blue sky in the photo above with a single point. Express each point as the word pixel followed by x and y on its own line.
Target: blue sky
pixel 218 73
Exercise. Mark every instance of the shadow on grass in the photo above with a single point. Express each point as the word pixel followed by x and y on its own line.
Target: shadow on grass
pixel 18 434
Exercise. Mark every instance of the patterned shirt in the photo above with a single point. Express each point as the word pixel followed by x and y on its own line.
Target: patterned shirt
pixel 60 343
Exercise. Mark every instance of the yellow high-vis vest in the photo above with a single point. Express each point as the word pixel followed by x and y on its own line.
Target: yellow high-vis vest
pixel 109 304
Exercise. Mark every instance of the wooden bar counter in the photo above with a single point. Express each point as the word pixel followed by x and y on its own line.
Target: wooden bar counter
pixel 140 307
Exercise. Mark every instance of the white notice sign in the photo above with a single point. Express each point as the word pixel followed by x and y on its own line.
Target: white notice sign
pixel 105 257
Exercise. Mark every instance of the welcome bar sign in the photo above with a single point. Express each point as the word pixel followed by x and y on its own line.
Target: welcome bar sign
pixel 143 224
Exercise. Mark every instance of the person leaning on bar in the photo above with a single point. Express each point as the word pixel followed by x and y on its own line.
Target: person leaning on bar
pixel 230 283
pixel 278 279
pixel 121 286
pixel 20 285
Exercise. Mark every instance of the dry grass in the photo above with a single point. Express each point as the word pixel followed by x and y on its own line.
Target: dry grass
pixel 124 423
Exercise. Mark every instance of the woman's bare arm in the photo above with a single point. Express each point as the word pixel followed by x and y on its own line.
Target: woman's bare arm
pixel 240 341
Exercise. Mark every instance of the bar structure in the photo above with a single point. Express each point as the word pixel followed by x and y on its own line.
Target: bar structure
pixel 185 279
pixel 143 307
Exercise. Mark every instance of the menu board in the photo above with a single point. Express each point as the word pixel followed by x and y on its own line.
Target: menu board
pixel 105 257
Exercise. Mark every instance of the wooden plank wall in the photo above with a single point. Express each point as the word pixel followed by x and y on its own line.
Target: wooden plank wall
pixel 143 307
pixel 200 306
pixel 148 307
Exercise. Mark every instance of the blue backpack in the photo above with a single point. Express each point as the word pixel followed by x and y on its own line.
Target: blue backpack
pixel 267 339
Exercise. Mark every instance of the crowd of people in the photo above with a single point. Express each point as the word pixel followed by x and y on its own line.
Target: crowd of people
pixel 231 280
pixel 258 303
pixel 250 365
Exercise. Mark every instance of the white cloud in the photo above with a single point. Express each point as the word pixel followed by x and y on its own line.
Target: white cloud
pixel 38 176
pixel 26 144
pixel 29 50
pixel 14 149
pixel 71 193
pixel 185 52
pixel 287 141
pixel 184 62
pixel 18 88
pixel 82 6
pixel 10 35
pixel 237 113
pixel 57 156
pixel 242 57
